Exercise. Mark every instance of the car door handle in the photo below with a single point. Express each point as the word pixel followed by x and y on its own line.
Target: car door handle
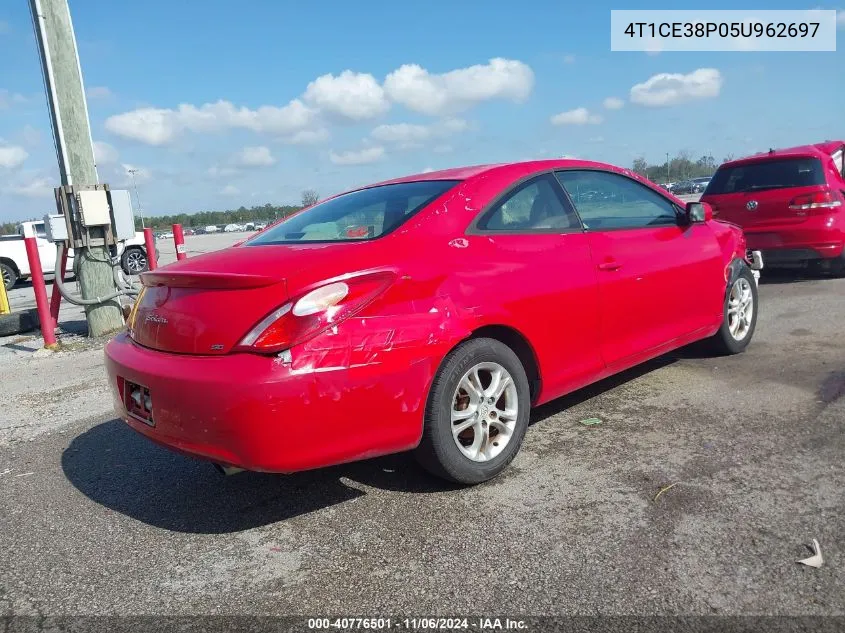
pixel 610 266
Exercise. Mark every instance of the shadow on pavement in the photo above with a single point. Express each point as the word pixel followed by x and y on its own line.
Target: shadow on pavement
pixel 775 276
pixel 121 470
pixel 117 468
pixel 591 391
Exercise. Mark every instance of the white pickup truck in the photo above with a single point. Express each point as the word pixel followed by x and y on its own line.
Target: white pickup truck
pixel 15 266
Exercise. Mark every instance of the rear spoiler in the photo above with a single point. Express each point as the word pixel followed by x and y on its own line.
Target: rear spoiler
pixel 208 280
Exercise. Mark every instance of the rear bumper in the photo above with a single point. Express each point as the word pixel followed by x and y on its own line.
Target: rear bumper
pixel 258 413
pixel 816 238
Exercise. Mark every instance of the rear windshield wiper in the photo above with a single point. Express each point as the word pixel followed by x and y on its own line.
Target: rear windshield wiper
pixel 762 187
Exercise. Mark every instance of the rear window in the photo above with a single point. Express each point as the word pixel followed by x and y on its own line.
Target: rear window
pixel 359 215
pixel 770 174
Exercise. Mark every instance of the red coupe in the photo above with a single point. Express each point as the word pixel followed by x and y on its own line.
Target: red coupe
pixel 429 313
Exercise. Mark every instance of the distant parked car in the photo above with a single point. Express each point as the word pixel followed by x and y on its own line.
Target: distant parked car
pixel 684 187
pixel 14 264
pixel 211 228
pixel 789 203
pixel 231 228
pixel 700 184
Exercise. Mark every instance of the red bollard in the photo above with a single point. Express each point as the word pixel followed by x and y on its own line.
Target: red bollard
pixel 56 297
pixel 179 241
pixel 150 244
pixel 48 326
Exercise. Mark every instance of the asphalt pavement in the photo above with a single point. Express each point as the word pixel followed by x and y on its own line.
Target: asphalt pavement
pixel 96 520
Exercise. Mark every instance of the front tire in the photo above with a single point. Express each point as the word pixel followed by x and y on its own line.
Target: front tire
pixel 739 315
pixel 10 277
pixel 477 413
pixel 134 261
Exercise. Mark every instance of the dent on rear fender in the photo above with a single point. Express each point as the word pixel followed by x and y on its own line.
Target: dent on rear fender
pixel 370 340
pixel 732 242
pixel 393 355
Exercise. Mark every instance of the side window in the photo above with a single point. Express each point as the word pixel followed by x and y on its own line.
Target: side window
pixel 40 230
pixel 605 200
pixel 532 206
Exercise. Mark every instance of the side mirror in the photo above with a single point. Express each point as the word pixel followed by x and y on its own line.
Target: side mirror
pixel 699 212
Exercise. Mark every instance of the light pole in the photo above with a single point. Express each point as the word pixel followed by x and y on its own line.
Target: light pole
pixel 668 177
pixel 132 172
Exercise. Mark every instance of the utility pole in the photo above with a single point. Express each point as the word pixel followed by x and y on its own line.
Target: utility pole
pixel 74 148
pixel 137 197
pixel 668 177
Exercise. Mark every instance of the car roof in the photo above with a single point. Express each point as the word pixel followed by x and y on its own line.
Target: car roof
pixel 507 170
pixel 816 150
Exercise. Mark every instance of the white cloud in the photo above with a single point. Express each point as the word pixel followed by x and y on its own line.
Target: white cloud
pixel 30 135
pixel 402 133
pixel 613 103
pixel 427 170
pixel 410 134
pixel 359 157
pixel 216 172
pixel 668 89
pixel 354 96
pixel 104 154
pixel 596 139
pixel 569 59
pixel 160 126
pixel 259 156
pixel 418 90
pixel 309 137
pixel 12 156
pixel 9 99
pixel 578 116
pixel 36 187
pixel 99 92
pixel 141 174
pixel 230 190
pixel 653 46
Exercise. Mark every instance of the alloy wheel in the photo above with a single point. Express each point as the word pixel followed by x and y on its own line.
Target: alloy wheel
pixel 740 309
pixel 484 411
pixel 136 261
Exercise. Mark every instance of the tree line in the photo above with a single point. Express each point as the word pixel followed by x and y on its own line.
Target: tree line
pixel 260 213
pixel 680 167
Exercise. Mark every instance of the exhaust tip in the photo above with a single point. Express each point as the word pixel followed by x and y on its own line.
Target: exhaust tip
pixel 227 470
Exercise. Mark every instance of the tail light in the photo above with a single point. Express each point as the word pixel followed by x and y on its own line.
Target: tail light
pixel 825 199
pixel 314 312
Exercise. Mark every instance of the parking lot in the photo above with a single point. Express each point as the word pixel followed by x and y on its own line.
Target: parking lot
pixel 96 520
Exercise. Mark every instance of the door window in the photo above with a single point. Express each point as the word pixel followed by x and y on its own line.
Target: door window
pixel 534 205
pixel 605 200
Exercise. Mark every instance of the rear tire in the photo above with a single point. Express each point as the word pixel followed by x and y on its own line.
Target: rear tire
pixel 18 322
pixel 10 277
pixel 739 316
pixel 477 413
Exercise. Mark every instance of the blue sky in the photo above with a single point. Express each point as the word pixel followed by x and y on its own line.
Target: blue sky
pixel 220 104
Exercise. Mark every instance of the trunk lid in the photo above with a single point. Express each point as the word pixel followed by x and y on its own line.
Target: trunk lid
pixel 205 305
